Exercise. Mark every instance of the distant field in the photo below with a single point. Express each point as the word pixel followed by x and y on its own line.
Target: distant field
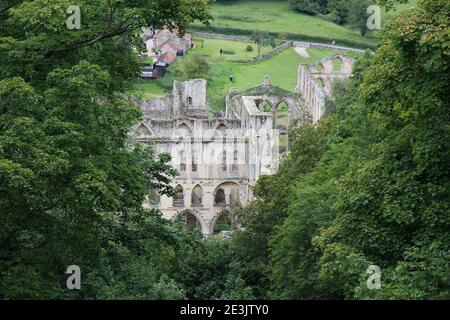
pixel 277 16
pixel 234 50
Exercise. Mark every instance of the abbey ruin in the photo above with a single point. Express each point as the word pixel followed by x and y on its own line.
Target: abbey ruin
pixel 221 155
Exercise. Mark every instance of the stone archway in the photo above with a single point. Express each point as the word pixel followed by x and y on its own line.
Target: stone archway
pixel 282 121
pixel 143 131
pixel 223 222
pixel 226 194
pixel 192 221
pixel 182 131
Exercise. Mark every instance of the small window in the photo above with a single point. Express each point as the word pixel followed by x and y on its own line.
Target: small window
pixel 178 199
pixel 189 100
pixel 223 166
pixel 234 167
pixel 194 160
pixel 219 198
pixel 197 196
pixel 182 161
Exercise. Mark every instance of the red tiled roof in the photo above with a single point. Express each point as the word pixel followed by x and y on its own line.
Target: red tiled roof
pixel 175 32
pixel 168 57
pixel 159 32
pixel 168 42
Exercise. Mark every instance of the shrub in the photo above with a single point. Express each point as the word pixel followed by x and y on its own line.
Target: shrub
pixel 229 52
pixel 195 66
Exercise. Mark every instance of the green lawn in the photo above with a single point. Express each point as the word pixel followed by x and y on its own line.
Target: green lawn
pixel 386 17
pixel 234 50
pixel 277 16
pixel 148 89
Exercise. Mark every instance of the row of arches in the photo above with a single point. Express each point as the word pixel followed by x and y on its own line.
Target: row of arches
pixel 224 222
pixel 226 194
pixel 182 131
pixel 335 65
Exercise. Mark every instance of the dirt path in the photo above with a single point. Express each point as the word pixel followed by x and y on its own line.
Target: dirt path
pixel 302 52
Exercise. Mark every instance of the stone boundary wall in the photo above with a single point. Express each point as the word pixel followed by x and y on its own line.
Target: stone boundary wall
pixel 221 36
pixel 273 52
pixel 313 45
pixel 284 46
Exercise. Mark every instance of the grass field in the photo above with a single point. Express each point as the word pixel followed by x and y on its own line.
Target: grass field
pixel 278 16
pixel 386 17
pixel 234 50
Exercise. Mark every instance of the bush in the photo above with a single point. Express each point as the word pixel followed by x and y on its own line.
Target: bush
pixel 195 66
pixel 230 52
pixel 249 48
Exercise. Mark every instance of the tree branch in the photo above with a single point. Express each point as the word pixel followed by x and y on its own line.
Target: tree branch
pixel 104 35
pixel 7 8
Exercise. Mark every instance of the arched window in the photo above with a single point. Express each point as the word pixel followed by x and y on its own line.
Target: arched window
pixel 320 67
pixel 197 196
pixel 227 188
pixel 224 222
pixel 338 64
pixel 267 107
pixel 190 221
pixel 189 100
pixel 219 197
pixel 223 165
pixel 182 131
pixel 235 166
pixel 221 136
pixel 182 161
pixel 320 82
pixel 221 130
pixel 194 160
pixel 178 198
pixel 281 123
pixel 143 132
pixel 154 198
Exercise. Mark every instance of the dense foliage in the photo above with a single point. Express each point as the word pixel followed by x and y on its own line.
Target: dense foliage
pixel 377 190
pixel 72 183
pixel 350 12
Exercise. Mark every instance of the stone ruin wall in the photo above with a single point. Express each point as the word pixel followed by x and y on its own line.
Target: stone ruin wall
pixel 315 82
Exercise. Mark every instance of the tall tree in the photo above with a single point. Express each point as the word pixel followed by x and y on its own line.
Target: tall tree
pixel 379 196
pixel 66 159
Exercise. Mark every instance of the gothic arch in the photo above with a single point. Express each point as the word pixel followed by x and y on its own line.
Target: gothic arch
pixel 221 191
pixel 229 222
pixel 178 198
pixel 320 67
pixel 221 130
pixel 197 196
pixel 144 131
pixel 183 130
pixel 188 215
pixel 338 64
